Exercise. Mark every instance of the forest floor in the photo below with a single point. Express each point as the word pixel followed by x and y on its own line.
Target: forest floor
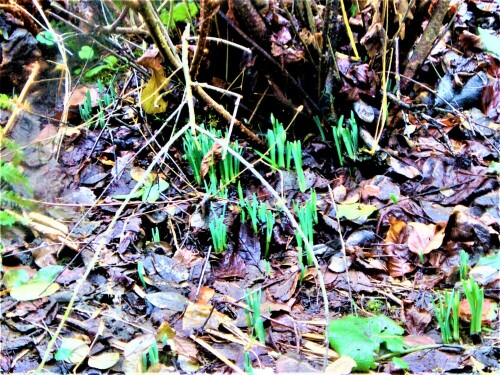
pixel 301 187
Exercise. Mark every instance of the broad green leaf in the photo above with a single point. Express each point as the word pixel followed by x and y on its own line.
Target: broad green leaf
pixel 72 350
pixel 109 64
pixel 86 53
pixel 180 13
pixel 491 43
pixel 361 338
pixel 355 211
pixel 15 278
pixel 151 194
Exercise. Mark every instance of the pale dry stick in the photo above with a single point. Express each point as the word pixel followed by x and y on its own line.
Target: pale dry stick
pixel 383 107
pixel 219 40
pixel 235 110
pixel 19 101
pixel 187 77
pixel 217 353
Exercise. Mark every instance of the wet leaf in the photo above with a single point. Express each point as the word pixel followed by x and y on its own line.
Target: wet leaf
pixel 104 361
pixel 168 300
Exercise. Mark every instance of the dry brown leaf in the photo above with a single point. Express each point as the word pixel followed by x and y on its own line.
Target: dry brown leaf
pixel 213 156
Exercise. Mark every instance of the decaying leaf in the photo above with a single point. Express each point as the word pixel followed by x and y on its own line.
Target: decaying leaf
pixel 211 158
pixel 151 96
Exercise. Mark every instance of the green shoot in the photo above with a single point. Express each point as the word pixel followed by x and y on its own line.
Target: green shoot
pixel 317 121
pixel 336 137
pixel 296 150
pixel 254 319
pixel 394 198
pixel 247 364
pixel 218 230
pixel 464 265
pixel 253 210
pixel 196 147
pixel 270 220
pixel 105 99
pixel 156 234
pixel 141 273
pixel 276 140
pixel 242 203
pixel 446 308
pixel 475 296
pixel 307 216
pixel 346 136
pixel 268 267
pixel 152 355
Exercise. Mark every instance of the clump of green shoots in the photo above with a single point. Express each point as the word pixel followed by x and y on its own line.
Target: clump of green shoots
pixel 294 149
pixel 254 319
pixel 196 147
pixel 258 213
pixel 346 136
pixel 218 230
pixel 308 216
pixel 105 99
pixel 447 307
pixel 473 292
pixel 150 358
pixel 276 140
pixel 447 304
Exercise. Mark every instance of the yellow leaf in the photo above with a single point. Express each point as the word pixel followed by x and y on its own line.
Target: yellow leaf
pixel 151 97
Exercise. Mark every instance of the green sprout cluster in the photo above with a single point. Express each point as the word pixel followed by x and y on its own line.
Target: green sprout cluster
pixel 308 216
pixel 196 147
pixel 346 136
pixel 218 230
pixel 258 212
pixel 105 99
pixel 252 313
pixel 447 304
